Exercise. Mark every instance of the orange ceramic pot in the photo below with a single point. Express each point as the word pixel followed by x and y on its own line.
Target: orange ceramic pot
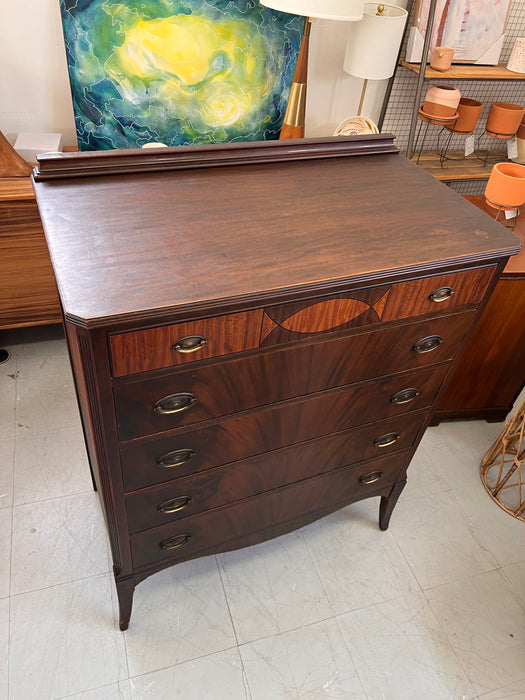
pixel 441 101
pixel 439 121
pixel 469 113
pixel 504 119
pixel 506 186
pixel 520 133
pixel 441 58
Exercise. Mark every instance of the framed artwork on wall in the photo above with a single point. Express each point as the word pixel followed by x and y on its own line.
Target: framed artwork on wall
pixel 475 29
pixel 177 72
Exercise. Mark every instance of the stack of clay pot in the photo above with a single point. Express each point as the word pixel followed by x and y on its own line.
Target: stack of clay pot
pixel 440 105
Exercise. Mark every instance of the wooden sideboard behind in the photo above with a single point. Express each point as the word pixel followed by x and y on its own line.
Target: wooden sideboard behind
pixel 28 291
pixel 491 372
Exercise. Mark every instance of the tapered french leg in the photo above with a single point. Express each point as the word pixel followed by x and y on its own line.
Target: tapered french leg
pixel 125 590
pixel 388 503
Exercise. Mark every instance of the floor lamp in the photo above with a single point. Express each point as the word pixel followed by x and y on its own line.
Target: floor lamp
pixel 373 45
pixel 345 10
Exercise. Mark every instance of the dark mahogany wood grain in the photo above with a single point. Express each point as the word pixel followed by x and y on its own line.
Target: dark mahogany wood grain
pixel 249 434
pixel 233 482
pixel 130 161
pixel 274 376
pixel 491 372
pixel 263 511
pixel 263 229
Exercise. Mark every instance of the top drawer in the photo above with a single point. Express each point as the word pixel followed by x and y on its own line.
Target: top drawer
pixel 166 346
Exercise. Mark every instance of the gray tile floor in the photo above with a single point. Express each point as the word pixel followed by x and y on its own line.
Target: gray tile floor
pixel 432 609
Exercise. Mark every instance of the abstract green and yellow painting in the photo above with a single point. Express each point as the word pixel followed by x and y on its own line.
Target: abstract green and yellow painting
pixel 177 71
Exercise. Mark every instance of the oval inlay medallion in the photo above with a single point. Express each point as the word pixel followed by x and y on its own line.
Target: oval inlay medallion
pixel 325 315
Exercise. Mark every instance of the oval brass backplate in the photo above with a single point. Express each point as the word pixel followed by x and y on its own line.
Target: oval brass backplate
pixel 189 343
pixel 175 403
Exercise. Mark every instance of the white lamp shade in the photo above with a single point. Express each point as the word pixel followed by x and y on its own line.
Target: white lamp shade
pixel 346 10
pixel 373 45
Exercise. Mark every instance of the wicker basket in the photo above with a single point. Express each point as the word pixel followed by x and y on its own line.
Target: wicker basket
pixel 502 467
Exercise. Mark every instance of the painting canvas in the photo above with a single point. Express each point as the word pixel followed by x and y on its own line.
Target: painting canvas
pixel 473 28
pixel 177 71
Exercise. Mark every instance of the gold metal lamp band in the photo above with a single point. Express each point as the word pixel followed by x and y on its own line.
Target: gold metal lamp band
pixel 296 107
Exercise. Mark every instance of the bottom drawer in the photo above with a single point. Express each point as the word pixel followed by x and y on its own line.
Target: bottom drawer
pixel 199 492
pixel 185 538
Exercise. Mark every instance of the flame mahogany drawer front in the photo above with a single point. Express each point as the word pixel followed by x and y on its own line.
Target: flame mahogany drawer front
pixel 189 495
pixel 204 531
pixel 165 346
pixel 183 397
pixel 149 461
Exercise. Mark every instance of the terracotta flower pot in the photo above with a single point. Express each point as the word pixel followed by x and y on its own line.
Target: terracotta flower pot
pixel 520 133
pixel 469 113
pixel 504 119
pixel 506 186
pixel 441 58
pixel 441 101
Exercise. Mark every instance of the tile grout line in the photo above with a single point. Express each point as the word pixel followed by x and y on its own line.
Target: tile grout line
pixel 15 355
pixel 335 617
pixel 244 674
pixel 100 574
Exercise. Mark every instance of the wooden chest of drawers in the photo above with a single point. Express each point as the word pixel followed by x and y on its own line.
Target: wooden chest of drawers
pixel 254 343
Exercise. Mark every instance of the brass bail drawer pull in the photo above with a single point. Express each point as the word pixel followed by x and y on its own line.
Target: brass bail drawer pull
pixel 174 504
pixel 441 294
pixel 427 344
pixel 190 343
pixel 404 396
pixel 175 403
pixel 174 459
pixel 387 440
pixel 175 542
pixel 370 478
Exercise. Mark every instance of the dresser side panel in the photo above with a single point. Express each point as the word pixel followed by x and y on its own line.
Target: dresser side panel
pixel 89 362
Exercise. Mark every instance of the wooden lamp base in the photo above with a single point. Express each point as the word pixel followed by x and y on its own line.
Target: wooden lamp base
pixel 293 122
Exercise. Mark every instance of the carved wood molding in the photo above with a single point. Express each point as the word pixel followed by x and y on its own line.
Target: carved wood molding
pixel 185 157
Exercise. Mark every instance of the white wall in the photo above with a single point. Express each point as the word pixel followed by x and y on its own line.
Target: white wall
pixel 34 85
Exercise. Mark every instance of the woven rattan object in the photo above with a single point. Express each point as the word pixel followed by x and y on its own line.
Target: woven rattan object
pixel 502 467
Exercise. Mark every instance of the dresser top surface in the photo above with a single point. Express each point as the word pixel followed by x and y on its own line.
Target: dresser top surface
pixel 133 243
